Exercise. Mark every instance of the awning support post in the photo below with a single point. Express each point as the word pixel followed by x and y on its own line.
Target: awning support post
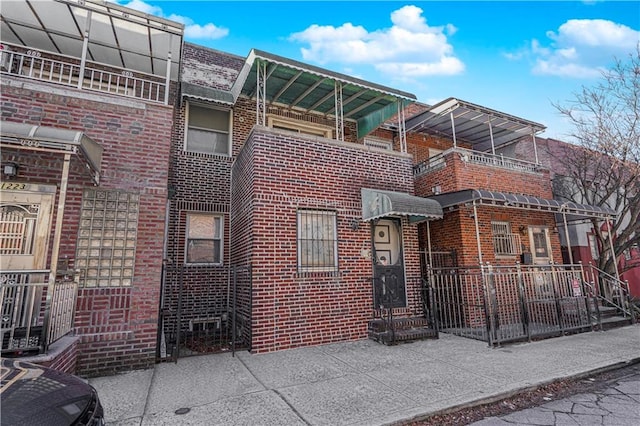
pixel 85 48
pixel 339 112
pixel 167 80
pixel 402 128
pixel 453 130
pixel 613 253
pixel 475 219
pixel 493 147
pixel 55 249
pixel 566 236
pixel 535 145
pixel 429 245
pixel 261 93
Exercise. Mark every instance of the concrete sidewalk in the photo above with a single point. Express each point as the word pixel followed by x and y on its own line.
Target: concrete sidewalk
pixel 352 383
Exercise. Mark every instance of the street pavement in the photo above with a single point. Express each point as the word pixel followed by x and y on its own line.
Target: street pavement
pixel 353 383
pixel 616 403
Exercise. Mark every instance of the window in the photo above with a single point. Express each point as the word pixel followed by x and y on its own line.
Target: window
pixel 204 238
pixel 208 130
pixel 299 127
pixel 504 242
pixel 107 237
pixel 317 241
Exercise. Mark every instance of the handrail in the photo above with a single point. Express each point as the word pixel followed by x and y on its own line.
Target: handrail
pixel 616 291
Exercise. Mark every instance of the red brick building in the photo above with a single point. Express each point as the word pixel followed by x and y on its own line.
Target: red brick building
pixel 161 199
pixel 86 132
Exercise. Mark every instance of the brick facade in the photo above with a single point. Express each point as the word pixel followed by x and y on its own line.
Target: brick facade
pixel 117 327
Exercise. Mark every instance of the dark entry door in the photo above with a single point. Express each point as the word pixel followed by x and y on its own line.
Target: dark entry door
pixel 388 266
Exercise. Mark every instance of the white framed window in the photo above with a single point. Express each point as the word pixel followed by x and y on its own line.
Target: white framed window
pixel 379 143
pixel 305 127
pixel 505 243
pixel 208 130
pixel 317 241
pixel 203 238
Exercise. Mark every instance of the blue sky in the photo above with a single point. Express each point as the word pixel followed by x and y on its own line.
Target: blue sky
pixel 514 56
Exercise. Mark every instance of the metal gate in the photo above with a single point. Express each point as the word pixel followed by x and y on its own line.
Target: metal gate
pixel 204 309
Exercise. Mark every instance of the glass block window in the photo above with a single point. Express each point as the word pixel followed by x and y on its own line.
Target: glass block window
pixel 107 236
pixel 204 238
pixel 317 241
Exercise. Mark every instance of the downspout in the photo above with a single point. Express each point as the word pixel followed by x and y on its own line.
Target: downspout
pixel 55 250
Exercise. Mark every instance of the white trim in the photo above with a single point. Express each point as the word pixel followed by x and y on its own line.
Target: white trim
pixel 286 123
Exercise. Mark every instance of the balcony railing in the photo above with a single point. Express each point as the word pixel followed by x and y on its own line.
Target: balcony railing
pixel 475 157
pixel 66 71
pixel 29 322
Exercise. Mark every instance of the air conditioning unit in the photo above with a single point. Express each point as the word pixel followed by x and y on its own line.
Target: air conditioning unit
pixel 5 57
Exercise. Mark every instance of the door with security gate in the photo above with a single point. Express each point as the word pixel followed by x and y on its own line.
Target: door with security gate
pixel 389 290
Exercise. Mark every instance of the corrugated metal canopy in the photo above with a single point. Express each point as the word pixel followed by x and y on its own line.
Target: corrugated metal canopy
pixel 44 138
pixel 377 204
pixel 525 202
pixel 471 124
pixel 311 89
pixel 118 36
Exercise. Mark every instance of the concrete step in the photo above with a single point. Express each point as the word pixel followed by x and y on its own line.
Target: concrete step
pixel 404 330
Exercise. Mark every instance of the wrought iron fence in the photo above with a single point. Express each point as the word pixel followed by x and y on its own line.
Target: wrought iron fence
pixel 34 313
pixel 506 304
pixel 205 309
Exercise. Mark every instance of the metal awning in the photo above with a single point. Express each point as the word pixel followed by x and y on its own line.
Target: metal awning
pixel 117 36
pixel 312 89
pixel 474 124
pixel 208 94
pixel 573 211
pixel 51 139
pixel 378 204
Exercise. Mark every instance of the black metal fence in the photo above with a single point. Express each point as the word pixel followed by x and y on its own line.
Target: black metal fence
pixel 507 304
pixel 204 309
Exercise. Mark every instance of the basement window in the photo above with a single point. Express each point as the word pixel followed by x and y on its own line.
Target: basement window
pixel 317 241
pixel 204 239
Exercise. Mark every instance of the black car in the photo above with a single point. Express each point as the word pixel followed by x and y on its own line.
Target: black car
pixel 36 395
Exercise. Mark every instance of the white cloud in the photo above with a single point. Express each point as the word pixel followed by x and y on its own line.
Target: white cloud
pixel 410 46
pixel 208 31
pixel 582 48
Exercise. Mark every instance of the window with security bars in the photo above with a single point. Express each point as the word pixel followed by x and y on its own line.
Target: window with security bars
pixel 317 241
pixel 504 242
pixel 105 255
pixel 204 238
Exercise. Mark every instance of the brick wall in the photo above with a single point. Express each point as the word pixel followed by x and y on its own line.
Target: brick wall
pixel 277 173
pixel 117 326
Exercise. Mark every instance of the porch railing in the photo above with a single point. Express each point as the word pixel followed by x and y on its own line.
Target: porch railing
pixel 31 322
pixel 66 71
pixel 475 157
pixel 500 304
pixel 610 290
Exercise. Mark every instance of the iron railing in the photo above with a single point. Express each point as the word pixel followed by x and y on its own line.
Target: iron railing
pixel 500 304
pixel 67 71
pixel 610 291
pixel 34 313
